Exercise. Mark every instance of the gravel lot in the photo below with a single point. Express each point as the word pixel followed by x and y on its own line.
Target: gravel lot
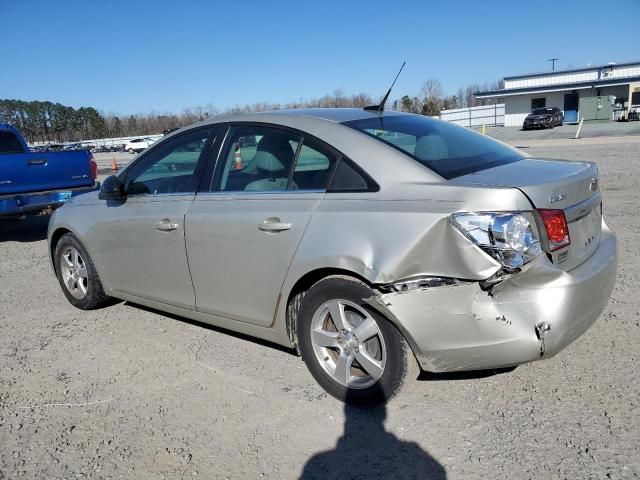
pixel 126 392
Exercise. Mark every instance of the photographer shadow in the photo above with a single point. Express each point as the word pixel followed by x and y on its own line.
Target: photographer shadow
pixel 367 451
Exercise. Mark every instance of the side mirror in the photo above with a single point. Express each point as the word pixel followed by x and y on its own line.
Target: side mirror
pixel 111 189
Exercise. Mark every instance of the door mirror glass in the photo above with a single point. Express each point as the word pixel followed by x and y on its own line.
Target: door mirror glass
pixel 111 189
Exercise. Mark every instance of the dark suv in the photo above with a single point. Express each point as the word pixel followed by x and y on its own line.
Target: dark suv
pixel 543 118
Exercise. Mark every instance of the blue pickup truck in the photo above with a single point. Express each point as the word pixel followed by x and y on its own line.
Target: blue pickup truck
pixel 34 183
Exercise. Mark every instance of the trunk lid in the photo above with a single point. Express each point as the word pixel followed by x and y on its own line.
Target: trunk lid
pixel 555 184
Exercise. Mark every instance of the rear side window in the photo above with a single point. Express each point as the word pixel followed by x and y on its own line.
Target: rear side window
pixel 313 166
pixel 9 143
pixel 447 149
pixel 258 158
pixel 349 178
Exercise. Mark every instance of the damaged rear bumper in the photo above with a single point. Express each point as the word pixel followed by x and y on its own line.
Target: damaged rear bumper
pixel 530 316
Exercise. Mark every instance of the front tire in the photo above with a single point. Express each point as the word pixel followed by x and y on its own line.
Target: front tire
pixel 352 351
pixel 77 275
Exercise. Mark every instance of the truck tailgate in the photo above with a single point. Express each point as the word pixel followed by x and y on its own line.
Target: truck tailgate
pixel 37 172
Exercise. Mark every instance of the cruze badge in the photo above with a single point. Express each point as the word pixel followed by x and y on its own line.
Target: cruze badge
pixel 593 184
pixel 557 198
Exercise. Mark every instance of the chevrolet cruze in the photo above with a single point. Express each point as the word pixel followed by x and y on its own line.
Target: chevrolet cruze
pixel 373 243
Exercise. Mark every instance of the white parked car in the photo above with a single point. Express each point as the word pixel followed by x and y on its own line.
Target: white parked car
pixel 138 144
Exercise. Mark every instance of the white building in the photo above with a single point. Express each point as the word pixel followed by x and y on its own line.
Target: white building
pixel 592 93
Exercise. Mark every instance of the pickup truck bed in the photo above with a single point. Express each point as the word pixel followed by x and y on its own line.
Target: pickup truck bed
pixel 36 182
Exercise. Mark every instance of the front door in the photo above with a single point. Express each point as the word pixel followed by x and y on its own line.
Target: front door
pixel 142 239
pixel 571 107
pixel 243 232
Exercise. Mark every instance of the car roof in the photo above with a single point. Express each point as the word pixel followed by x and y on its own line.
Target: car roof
pixel 334 115
pixel 326 124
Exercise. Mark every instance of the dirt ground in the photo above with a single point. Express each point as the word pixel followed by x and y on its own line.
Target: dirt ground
pixel 125 392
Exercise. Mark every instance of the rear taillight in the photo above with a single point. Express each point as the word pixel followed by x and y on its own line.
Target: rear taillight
pixel 94 167
pixel 555 224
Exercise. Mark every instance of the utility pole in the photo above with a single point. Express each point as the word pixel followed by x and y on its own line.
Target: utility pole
pixel 553 63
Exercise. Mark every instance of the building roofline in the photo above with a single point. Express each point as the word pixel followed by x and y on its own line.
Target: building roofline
pixel 505 92
pixel 572 70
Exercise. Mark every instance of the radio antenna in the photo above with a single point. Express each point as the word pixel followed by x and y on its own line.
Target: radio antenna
pixel 380 108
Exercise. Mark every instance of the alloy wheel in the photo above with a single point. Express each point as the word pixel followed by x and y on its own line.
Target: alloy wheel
pixel 74 272
pixel 348 344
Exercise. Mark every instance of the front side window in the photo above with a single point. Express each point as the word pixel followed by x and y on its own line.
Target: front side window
pixel 267 159
pixel 170 167
pixel 447 149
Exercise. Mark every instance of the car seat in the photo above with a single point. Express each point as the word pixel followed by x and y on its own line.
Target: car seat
pixel 272 162
pixel 431 148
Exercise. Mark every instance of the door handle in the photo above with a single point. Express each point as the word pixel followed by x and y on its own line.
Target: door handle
pixel 38 161
pixel 166 225
pixel 274 225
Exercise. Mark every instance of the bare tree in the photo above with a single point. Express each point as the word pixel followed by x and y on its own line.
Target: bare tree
pixel 431 89
pixel 461 98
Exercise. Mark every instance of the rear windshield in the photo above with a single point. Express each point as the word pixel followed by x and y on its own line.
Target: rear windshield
pixel 447 149
pixel 9 143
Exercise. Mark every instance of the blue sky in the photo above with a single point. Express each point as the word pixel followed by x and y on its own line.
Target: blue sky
pixel 137 56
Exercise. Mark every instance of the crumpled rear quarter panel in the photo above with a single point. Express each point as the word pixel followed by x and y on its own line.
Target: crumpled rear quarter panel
pixel 390 236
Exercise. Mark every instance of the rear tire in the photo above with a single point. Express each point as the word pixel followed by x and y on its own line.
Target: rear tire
pixel 368 370
pixel 77 275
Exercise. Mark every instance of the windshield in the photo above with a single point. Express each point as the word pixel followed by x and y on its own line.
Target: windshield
pixel 542 111
pixel 447 149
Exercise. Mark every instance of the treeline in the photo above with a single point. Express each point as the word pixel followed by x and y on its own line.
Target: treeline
pixel 48 121
pixel 53 122
pixel 431 99
pixel 154 122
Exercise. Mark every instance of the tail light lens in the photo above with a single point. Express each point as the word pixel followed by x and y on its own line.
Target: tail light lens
pixel 94 167
pixel 555 224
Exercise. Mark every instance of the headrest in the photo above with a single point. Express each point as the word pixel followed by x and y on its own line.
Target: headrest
pixel 273 154
pixel 431 148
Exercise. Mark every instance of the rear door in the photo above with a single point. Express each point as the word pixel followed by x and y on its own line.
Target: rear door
pixel 243 231
pixel 142 239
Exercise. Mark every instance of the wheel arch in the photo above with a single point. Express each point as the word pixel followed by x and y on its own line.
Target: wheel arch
pixel 306 281
pixel 53 243
pixel 302 285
